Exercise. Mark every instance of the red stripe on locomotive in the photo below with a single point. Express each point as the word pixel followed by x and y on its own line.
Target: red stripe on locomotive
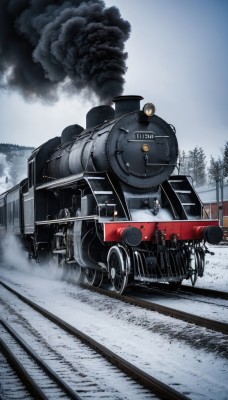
pixel 181 230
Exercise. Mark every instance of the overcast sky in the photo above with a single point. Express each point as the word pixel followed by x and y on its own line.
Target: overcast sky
pixel 177 59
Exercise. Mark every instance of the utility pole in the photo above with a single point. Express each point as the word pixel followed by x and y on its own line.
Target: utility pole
pixel 217 195
pixel 219 188
pixel 221 206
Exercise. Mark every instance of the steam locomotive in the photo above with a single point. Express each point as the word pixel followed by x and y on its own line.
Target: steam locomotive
pixel 104 201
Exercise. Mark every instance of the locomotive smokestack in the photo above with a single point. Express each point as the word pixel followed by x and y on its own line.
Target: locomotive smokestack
pixel 125 104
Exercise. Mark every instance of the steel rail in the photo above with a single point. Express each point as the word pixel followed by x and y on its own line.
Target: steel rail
pixel 192 289
pixel 214 325
pixel 205 292
pixel 21 372
pixel 42 364
pixel 157 387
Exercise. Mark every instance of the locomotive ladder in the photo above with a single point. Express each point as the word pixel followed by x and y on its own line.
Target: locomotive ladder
pixel 182 197
pixel 105 194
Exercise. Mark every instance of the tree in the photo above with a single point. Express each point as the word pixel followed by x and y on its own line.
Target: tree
pixel 225 160
pixel 218 168
pixel 214 169
pixel 197 165
pixel 183 163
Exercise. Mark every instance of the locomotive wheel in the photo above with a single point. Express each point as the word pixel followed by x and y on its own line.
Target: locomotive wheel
pixel 193 267
pixel 117 262
pixel 200 261
pixel 94 277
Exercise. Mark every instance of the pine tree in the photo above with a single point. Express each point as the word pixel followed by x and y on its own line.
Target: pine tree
pixel 225 160
pixel 183 163
pixel 218 168
pixel 197 165
pixel 214 170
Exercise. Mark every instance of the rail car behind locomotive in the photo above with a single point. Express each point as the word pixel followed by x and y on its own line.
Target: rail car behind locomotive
pixel 104 200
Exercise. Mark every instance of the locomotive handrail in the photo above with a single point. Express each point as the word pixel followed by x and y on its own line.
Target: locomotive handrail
pixel 68 180
pixel 59 182
pixel 147 163
pixel 65 220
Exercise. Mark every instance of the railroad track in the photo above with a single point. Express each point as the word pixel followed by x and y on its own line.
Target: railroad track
pixel 136 375
pixel 195 290
pixel 37 373
pixel 214 325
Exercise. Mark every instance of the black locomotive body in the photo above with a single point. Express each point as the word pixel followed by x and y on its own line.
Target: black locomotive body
pixel 104 201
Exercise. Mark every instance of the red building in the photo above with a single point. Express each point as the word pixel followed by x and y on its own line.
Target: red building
pixel 214 207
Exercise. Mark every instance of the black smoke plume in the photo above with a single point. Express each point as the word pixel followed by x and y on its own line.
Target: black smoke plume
pixel 49 45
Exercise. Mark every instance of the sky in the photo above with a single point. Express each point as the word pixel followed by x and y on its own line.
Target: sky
pixel 177 59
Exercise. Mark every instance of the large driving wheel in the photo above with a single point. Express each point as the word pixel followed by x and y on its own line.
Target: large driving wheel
pixel 193 267
pixel 94 277
pixel 200 256
pixel 118 268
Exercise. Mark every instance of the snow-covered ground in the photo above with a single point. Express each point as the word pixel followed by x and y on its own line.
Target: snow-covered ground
pixel 216 269
pixel 184 356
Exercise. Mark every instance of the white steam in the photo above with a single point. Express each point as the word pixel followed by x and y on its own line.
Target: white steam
pixel 13 256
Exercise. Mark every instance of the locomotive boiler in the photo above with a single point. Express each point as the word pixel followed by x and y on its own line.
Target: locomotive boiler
pixel 104 200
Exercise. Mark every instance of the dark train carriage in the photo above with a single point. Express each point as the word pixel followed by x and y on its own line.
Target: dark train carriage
pixel 14 209
pixel 2 214
pixel 11 210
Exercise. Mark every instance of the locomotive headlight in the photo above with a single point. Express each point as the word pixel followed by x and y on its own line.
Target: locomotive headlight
pixel 149 109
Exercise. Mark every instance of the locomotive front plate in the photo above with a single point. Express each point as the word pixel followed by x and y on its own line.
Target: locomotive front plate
pixel 142 135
